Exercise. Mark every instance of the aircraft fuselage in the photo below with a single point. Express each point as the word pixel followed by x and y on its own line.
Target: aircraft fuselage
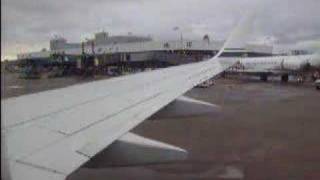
pixel 277 65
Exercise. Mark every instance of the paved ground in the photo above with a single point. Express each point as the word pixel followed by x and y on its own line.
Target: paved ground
pixel 12 85
pixel 265 131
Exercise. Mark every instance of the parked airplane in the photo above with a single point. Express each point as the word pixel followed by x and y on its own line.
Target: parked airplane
pixel 48 135
pixel 277 65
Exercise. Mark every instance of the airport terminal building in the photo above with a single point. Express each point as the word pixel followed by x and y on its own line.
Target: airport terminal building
pixel 134 52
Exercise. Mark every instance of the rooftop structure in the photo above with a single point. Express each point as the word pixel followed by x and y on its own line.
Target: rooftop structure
pixel 100 38
pixel 102 44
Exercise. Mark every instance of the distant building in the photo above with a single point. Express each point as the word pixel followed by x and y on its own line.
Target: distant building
pixel 138 51
pixel 57 43
pixel 100 38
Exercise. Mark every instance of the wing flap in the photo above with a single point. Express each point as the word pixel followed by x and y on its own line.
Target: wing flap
pixel 61 158
pixel 20 171
pixel 26 140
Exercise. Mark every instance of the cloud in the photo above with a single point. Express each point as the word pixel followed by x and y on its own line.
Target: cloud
pixel 27 25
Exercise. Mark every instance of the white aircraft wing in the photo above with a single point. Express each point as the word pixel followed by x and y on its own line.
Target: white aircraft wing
pixel 48 135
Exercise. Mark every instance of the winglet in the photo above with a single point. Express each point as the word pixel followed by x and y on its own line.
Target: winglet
pixel 238 37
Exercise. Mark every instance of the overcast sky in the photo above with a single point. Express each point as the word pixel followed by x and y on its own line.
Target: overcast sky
pixel 28 25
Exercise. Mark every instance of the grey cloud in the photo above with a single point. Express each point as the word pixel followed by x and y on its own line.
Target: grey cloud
pixel 31 23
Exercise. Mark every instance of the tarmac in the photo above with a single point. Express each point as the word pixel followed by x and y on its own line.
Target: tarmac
pixel 266 130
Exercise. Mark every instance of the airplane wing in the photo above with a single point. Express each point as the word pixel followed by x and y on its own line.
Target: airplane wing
pixel 50 134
